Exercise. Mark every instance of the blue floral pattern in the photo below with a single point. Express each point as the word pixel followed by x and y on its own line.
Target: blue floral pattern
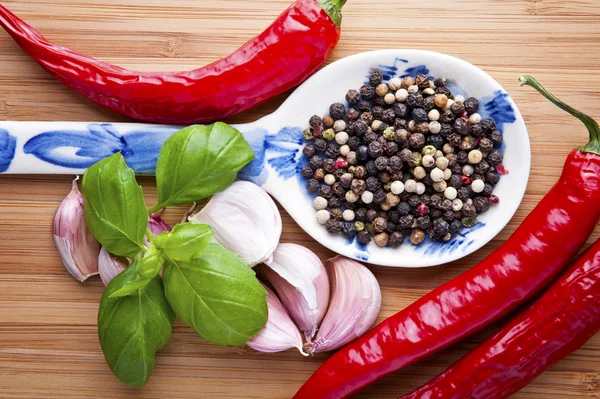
pixel 8 145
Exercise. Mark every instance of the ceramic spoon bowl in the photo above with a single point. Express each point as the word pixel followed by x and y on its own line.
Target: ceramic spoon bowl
pixel 71 147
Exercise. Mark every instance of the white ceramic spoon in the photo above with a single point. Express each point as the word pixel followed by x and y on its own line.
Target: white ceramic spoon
pixel 71 147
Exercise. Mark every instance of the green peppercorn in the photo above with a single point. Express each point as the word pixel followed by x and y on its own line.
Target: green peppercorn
pixel 387 186
pixel 415 159
pixel 469 221
pixel 428 150
pixel 352 170
pixel 389 133
pixel 308 134
pixel 359 226
pixel 329 134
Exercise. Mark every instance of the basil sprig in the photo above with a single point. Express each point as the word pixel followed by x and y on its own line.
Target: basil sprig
pixel 204 284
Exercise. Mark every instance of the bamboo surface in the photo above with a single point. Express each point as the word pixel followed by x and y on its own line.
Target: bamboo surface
pixel 48 341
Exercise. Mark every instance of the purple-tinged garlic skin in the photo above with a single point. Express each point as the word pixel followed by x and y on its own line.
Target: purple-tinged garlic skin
pixel 354 305
pixel 110 265
pixel 280 333
pixel 75 243
pixel 301 282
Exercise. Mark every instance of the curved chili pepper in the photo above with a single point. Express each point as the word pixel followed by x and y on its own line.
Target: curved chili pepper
pixel 557 324
pixel 281 57
pixel 535 253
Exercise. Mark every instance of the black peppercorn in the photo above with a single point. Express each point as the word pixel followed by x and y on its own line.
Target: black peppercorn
pixel 316 162
pixel 333 150
pixel 338 173
pixel 481 204
pixel 315 121
pixel 488 125
pixel 476 176
pixel 363 105
pixel 496 137
pixel 456 168
pixel 462 157
pixel 378 101
pixel 346 180
pixel 444 90
pixel 439 82
pixel 360 172
pixel 446 205
pixel 358 186
pixel 361 214
pixel 352 97
pixel 476 130
pixel 312 185
pixel 467 143
pixel 384 176
pixel 457 108
pixel 325 191
pixel 401 111
pixel 336 213
pixel 463 193
pixel 348 229
pixel 382 162
pixel 368 118
pixel 389 116
pixel 307 172
pixel 422 81
pixel 395 163
pixel 454 139
pixel 391 149
pixel 435 140
pixel 328 165
pixel 352 114
pixel 416 141
pixel 338 190
pixel 452 159
pixel 379 197
pixel 414 200
pixel 462 126
pixel 375 78
pixel 371 168
pixel 455 181
pixel 354 142
pixel 362 154
pixel 337 111
pixel 363 238
pixel 405 155
pixel 371 215
pixel 404 208
pixel 380 225
pixel 492 178
pixel 375 149
pixel 435 213
pixel 394 216
pixel 486 145
pixel 448 216
pixel 367 92
pixel 435 200
pixel 381 140
pixel 320 144
pixel 423 222
pixel 429 103
pixel 415 100
pixel 396 239
pixel 417 236
pixel 309 151
pixel 373 184
pixel 419 115
pixel 378 112
pixel 471 105
pixel 482 167
pixel 400 124
pixel 494 158
pixel 334 226
pixel 487 189
pixel 381 239
pixel 383 214
pixel 406 221
pixel 335 202
pixel 469 210
pixel 447 117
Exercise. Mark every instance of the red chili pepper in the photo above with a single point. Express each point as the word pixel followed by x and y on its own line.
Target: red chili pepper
pixel 536 252
pixel 558 323
pixel 283 56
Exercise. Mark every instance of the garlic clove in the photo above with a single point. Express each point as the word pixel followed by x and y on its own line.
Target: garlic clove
pixel 301 282
pixel 110 265
pixel 354 306
pixel 280 333
pixel 75 243
pixel 246 221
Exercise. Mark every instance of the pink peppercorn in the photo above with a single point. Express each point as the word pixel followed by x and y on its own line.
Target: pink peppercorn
pixel 341 163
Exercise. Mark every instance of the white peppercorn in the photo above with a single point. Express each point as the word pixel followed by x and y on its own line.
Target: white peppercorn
pixel 351 196
pixel 397 187
pixel 474 157
pixel 467 170
pixel 410 186
pixel 450 193
pixel 440 186
pixel 448 104
pixel 437 175
pixel 459 98
pixel 448 148
pixel 420 188
pixel 376 125
pixel 351 157
pixel 385 207
pixel 435 127
pixel 395 84
pixel 389 98
pixel 477 186
pixel 411 125
pixel 457 205
pixel 401 95
pixel 339 126
pixel 320 203
pixel 428 92
pixel 323 216
pixel 438 154
pixel 469 201
pixel 344 150
pixel 447 174
pixel 413 89
pixel 442 163
pixel 329 180
pixel 475 118
pixel 419 172
pixel 433 115
pixel 341 138
pixel 348 215
pixel 382 90
pixel 428 161
pixel 367 197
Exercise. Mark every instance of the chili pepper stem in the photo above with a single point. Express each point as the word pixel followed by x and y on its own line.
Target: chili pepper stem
pixel 333 8
pixel 593 128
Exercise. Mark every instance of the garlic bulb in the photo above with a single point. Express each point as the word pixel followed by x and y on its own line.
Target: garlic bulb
pixel 74 241
pixel 110 265
pixel 246 221
pixel 156 225
pixel 300 280
pixel 280 333
pixel 355 303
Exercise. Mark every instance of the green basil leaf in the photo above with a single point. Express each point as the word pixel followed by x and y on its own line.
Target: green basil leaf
pixel 151 263
pixel 185 241
pixel 198 161
pixel 133 328
pixel 114 206
pixel 131 287
pixel 217 295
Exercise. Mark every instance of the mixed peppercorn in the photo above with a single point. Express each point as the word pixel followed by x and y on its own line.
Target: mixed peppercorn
pixel 405 158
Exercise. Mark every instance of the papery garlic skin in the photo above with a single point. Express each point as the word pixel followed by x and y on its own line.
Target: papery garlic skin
pixel 246 221
pixel 156 225
pixel 280 333
pixel 301 282
pixel 75 243
pixel 354 306
pixel 110 265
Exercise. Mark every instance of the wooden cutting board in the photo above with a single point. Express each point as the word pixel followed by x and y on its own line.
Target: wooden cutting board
pixel 48 342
